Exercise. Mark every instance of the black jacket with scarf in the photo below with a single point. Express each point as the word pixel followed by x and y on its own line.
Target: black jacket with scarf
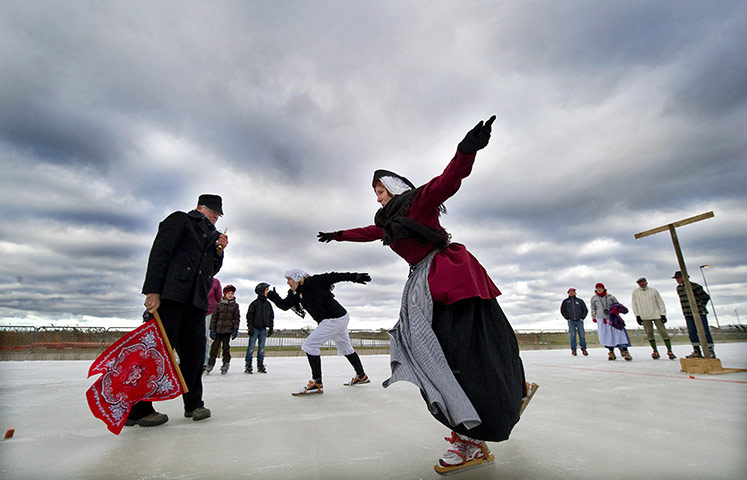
pixel 183 259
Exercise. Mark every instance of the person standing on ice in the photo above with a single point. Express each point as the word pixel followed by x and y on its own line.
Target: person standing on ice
pixel 649 310
pixel 313 294
pixel 574 311
pixel 609 336
pixel 260 320
pixel 452 339
pixel 186 253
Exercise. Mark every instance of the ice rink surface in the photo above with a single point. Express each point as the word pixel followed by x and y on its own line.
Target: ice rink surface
pixel 591 419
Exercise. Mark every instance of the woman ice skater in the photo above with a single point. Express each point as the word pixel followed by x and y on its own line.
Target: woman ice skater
pixel 452 339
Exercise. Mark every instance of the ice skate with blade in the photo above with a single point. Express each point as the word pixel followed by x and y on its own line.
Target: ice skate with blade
pixel 312 388
pixel 464 454
pixel 358 380
pixel 531 390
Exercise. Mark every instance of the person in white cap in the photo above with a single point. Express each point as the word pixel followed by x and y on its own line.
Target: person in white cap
pixel 313 294
pixel 452 339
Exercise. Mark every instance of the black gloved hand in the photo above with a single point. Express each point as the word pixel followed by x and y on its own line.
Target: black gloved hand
pixel 250 332
pixel 663 319
pixel 362 278
pixel 272 294
pixel 638 319
pixel 325 237
pixel 234 334
pixel 477 138
pixel 270 332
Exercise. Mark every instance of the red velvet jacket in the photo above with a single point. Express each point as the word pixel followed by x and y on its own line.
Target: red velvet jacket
pixel 455 274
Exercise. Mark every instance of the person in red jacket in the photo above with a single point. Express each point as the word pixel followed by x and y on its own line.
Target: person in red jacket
pixel 452 339
pixel 215 295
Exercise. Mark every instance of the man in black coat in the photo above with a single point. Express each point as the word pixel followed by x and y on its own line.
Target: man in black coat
pixel 186 253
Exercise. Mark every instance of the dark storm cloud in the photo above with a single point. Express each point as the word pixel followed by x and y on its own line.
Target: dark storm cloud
pixel 612 118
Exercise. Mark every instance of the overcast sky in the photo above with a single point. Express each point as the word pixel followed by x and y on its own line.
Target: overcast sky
pixel 612 118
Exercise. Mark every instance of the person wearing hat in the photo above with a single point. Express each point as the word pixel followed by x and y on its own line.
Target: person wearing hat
pixel 260 320
pixel 602 303
pixel 574 311
pixel 224 327
pixel 452 339
pixel 701 299
pixel 186 254
pixel 313 294
pixel 649 310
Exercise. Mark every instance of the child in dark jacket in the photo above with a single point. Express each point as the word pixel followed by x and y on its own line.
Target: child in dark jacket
pixel 224 326
pixel 313 294
pixel 260 321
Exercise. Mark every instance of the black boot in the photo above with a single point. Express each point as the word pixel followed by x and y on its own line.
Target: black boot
pixel 261 368
pixel 248 367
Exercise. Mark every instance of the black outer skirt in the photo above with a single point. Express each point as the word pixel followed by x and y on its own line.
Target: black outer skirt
pixel 481 348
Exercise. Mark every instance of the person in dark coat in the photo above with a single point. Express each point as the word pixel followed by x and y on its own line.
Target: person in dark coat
pixel 452 339
pixel 260 320
pixel 186 253
pixel 574 310
pixel 224 327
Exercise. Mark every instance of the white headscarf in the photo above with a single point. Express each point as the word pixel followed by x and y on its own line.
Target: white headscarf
pixel 394 185
pixel 296 274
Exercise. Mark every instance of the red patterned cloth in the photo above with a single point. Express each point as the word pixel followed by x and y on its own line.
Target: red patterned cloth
pixel 136 367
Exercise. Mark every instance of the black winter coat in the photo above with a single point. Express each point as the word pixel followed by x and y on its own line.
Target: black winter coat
pixel 314 295
pixel 260 314
pixel 183 259
pixel 573 308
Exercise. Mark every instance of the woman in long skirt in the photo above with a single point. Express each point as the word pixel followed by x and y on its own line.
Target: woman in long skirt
pixel 452 339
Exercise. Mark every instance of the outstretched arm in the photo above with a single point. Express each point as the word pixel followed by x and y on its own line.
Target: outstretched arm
pixel 286 303
pixel 444 186
pixel 362 234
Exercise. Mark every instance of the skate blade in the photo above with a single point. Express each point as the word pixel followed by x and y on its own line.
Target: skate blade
pixel 532 390
pixel 471 465
pixel 302 394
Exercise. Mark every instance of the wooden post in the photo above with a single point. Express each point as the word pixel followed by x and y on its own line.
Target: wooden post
pixel 683 268
pixel 697 319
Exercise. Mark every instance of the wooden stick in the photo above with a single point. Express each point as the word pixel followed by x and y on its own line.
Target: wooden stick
pixel 171 352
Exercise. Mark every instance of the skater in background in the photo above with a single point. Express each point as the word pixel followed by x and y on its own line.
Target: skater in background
pixel 224 327
pixel 259 322
pixel 452 339
pixel 313 294
pixel 574 311
pixel 179 294
pixel 649 310
pixel 609 336
pixel 701 300
pixel 214 296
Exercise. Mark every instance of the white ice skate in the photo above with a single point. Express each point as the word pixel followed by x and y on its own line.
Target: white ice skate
pixel 464 454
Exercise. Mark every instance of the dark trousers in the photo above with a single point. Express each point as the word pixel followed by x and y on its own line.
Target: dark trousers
pixel 185 327
pixel 221 340
pixel 692 330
